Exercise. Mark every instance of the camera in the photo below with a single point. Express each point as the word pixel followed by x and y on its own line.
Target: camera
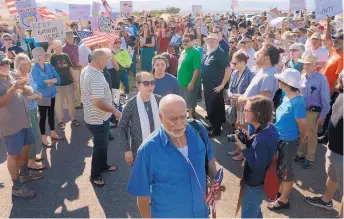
pixel 241 136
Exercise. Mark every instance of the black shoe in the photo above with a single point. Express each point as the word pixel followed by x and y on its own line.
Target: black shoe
pixel 320 134
pixel 299 159
pixel 318 202
pixel 278 205
pixel 323 139
pixel 213 133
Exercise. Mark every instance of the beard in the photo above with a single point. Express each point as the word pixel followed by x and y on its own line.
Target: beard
pixel 173 134
pixel 211 50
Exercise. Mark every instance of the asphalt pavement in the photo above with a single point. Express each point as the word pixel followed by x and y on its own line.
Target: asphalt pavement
pixel 65 189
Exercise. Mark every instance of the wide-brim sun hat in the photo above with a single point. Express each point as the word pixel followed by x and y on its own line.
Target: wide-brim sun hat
pixel 308 58
pixel 213 36
pixel 291 77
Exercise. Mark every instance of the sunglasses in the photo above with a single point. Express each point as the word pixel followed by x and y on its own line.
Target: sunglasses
pixel 5 63
pixel 231 42
pixel 294 50
pixel 147 83
pixel 243 42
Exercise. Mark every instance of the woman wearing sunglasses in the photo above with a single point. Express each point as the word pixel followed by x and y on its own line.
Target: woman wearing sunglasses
pixel 140 116
pixel 240 79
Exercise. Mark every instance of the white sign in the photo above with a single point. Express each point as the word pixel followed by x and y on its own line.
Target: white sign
pixel 297 5
pixel 44 31
pixel 270 16
pixel 126 7
pixel 105 24
pixel 204 29
pixel 4 12
pixel 327 8
pixel 27 12
pixel 79 12
pixel 277 22
pixel 95 15
pixel 196 10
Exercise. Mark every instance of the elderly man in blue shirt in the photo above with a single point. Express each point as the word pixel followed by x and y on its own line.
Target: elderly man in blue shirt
pixel 169 175
pixel 316 93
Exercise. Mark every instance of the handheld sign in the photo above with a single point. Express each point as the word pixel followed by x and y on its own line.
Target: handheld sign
pixel 105 24
pixel 196 10
pixel 27 13
pixel 44 31
pixel 95 15
pixel 79 12
pixel 327 8
pixel 297 5
pixel 126 8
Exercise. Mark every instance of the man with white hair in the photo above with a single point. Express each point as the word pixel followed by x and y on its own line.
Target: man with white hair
pixel 98 108
pixel 63 67
pixel 169 173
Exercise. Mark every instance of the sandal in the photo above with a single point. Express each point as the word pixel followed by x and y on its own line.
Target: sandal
pixel 234 153
pixel 57 138
pixel 111 168
pixel 239 157
pixel 75 123
pixel 61 126
pixel 38 168
pixel 99 182
pixel 39 159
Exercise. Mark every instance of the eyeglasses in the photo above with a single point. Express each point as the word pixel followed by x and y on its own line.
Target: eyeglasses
pixel 234 63
pixel 147 83
pixel 243 42
pixel 294 50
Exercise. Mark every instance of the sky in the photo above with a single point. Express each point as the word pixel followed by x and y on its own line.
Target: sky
pixel 139 5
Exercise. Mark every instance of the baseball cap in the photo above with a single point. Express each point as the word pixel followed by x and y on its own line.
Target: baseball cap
pixel 316 36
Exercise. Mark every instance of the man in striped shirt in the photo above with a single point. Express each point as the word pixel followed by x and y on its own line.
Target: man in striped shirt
pixel 98 108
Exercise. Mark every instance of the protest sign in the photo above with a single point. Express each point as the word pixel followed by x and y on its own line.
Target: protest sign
pixel 126 7
pixel 277 22
pixel 196 10
pixel 115 15
pixel 4 12
pixel 105 24
pixel 327 8
pixel 79 12
pixel 27 13
pixel 95 15
pixel 297 5
pixel 44 31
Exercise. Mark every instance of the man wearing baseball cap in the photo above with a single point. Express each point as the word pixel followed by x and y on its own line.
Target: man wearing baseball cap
pixel 318 51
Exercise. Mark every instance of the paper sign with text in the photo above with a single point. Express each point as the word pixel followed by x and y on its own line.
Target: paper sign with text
pixel 95 15
pixel 126 7
pixel 27 13
pixel 297 5
pixel 79 12
pixel 327 8
pixel 44 31
pixel 105 24
pixel 196 10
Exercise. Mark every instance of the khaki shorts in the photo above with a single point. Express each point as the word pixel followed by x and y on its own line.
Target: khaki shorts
pixel 334 168
pixel 190 97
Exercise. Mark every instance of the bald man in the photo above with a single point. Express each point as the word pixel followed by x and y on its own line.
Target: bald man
pixel 169 175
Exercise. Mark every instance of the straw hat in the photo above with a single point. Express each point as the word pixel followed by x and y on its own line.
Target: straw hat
pixel 213 36
pixel 313 29
pixel 316 36
pixel 308 58
pixel 288 37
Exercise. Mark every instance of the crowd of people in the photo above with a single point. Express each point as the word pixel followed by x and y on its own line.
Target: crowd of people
pixel 278 85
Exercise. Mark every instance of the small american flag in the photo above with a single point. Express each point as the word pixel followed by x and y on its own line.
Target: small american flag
pixel 11 5
pixel 60 13
pixel 216 185
pixel 99 38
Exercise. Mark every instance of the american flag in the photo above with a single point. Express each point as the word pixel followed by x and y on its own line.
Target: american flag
pixel 99 38
pixel 84 34
pixel 60 13
pixel 107 6
pixel 216 185
pixel 11 5
pixel 46 14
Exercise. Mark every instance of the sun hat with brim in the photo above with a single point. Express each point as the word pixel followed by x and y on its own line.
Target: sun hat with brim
pixel 288 37
pixel 37 53
pixel 316 36
pixel 313 29
pixel 308 58
pixel 213 36
pixel 297 30
pixel 291 77
pixel 3 58
pixel 297 46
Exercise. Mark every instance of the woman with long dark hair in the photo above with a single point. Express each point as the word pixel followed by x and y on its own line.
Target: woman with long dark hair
pixel 147 43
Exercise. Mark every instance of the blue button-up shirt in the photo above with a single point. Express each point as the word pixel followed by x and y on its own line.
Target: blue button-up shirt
pixel 32 103
pixel 164 174
pixel 39 75
pixel 315 91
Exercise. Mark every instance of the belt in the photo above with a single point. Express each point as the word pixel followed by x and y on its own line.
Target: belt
pixel 314 109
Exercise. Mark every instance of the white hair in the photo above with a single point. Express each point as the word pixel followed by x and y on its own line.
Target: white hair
pixel 56 43
pixel 100 53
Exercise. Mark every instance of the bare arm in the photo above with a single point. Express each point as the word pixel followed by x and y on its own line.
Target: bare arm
pixel 143 204
pixel 28 91
pixel 115 63
pixel 302 123
pixel 212 169
pixel 228 72
pixel 102 105
pixel 195 76
pixel 151 44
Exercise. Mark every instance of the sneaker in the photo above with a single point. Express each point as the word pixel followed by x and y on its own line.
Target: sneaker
pixel 307 164
pixel 318 202
pixel 31 176
pixel 299 159
pixel 23 192
pixel 278 205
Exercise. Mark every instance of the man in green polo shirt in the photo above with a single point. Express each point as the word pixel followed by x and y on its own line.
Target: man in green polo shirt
pixel 188 73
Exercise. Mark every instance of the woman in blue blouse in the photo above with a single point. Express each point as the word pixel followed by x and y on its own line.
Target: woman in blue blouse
pixel 45 77
pixel 239 81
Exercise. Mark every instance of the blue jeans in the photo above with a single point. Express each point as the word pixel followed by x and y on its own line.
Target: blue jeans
pixel 251 201
pixel 124 75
